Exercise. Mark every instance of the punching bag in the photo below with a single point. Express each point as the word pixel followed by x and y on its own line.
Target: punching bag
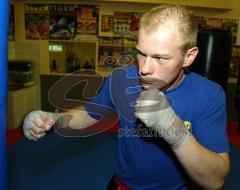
pixel 214 55
pixel 4 15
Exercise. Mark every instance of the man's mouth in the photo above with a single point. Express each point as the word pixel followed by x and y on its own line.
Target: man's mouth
pixel 152 83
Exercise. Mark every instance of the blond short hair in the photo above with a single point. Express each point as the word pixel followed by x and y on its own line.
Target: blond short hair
pixel 175 16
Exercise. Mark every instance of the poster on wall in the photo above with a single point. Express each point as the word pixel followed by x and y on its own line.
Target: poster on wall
pixel 121 23
pixel 62 21
pixel 107 23
pixel 87 20
pixel 201 21
pixel 214 22
pixel 36 21
pixel 116 56
pixel 219 23
pixel 235 62
pixel 231 25
pixel 134 25
pixel 126 23
pixel 11 29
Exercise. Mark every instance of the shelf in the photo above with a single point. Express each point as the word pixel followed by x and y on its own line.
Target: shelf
pixel 74 41
pixel 70 55
pixel 117 45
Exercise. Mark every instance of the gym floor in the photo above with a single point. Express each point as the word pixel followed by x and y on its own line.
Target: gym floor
pixel 61 163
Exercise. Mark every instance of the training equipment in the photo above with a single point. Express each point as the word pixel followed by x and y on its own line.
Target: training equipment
pixel 4 6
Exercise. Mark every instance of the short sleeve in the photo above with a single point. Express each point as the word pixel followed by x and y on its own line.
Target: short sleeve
pixel 100 103
pixel 209 127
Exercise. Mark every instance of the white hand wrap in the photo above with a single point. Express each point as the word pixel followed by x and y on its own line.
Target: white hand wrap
pixel 38 119
pixel 155 111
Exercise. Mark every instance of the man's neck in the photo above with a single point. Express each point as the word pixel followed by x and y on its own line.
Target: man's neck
pixel 177 81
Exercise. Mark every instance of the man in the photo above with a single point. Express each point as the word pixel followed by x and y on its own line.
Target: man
pixel 178 135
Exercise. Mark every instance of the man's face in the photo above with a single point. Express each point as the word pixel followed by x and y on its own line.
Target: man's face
pixel 159 57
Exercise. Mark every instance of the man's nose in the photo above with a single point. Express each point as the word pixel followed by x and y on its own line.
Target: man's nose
pixel 147 67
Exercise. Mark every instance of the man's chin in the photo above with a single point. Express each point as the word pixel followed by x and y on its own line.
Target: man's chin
pixel 148 86
pixel 151 83
pixel 153 86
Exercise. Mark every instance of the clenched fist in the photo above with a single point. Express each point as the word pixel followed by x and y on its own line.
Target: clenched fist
pixel 37 123
pixel 155 111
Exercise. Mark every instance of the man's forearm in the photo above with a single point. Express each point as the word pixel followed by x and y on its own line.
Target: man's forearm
pixel 77 119
pixel 206 168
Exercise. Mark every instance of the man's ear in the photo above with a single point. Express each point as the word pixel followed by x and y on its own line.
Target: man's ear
pixel 189 56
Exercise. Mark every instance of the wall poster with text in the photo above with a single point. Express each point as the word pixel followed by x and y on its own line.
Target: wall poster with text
pixel 126 23
pixel 87 19
pixel 62 21
pixel 36 21
pixel 107 23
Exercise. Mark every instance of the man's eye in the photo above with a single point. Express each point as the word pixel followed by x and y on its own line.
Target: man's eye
pixel 160 60
pixel 160 57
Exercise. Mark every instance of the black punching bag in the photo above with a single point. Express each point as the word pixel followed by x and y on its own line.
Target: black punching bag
pixel 214 55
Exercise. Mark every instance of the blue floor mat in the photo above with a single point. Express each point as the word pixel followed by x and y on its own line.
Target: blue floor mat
pixel 233 180
pixel 61 163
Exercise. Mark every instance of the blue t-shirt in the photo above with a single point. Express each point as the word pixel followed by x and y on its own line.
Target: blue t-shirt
pixel 144 160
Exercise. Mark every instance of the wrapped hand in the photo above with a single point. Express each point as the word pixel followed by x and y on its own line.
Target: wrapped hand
pixel 155 111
